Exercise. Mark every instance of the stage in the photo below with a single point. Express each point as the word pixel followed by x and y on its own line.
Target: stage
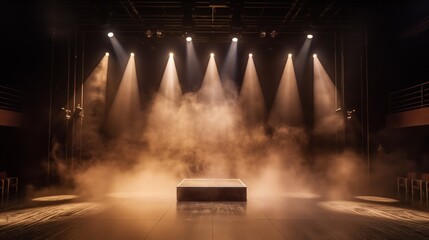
pixel 285 216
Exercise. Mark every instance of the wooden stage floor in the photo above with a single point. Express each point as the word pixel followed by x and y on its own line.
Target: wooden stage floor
pixel 289 216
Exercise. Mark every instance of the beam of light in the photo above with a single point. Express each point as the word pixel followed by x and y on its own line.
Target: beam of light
pixel 373 210
pixel 301 59
pixel 211 90
pixel 228 71
pixel 93 103
pixel 120 52
pixel 326 121
pixel 193 69
pixel 377 199
pixel 94 90
pixel 126 104
pixel 170 86
pixel 251 98
pixel 55 198
pixel 287 109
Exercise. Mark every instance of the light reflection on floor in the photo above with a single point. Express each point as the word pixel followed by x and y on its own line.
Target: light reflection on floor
pixel 56 198
pixel 48 213
pixel 377 199
pixel 373 210
pixel 139 216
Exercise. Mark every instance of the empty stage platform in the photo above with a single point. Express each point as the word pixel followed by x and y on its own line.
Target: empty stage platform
pixel 203 189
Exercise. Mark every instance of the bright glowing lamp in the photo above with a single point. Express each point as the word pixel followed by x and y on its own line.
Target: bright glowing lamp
pixel 171 54
pixel 315 55
pixel 309 36
pixel 289 55
pixel 211 54
pixel 250 55
pixel 234 39
pixel 110 34
pixel 107 54
pixel 132 54
pixel 188 39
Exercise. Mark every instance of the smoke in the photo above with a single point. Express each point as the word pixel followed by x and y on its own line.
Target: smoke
pixel 205 134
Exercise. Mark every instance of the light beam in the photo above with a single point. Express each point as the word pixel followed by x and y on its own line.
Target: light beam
pixel 287 109
pixel 126 104
pixel 326 120
pixel 211 90
pixel 251 98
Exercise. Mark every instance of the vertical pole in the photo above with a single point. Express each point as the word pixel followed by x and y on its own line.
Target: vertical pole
pixel 48 166
pixel 67 108
pixel 336 87
pixel 81 96
pixel 367 106
pixel 74 102
pixel 342 86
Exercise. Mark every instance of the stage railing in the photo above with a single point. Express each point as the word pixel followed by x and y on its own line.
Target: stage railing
pixel 409 98
pixel 11 99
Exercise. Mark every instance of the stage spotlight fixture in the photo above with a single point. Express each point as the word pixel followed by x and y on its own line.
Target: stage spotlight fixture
pixel 110 34
pixel 309 36
pixel 132 54
pixel 148 33
pixel 250 55
pixel 107 54
pixel 159 33
pixel 188 39
pixel 262 34
pixel 171 54
pixel 273 33
pixel 211 54
pixel 235 39
pixel 289 55
pixel 315 55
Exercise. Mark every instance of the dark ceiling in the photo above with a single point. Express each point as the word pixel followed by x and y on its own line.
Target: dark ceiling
pixel 207 19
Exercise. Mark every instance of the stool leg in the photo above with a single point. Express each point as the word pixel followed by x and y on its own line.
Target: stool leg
pixel 427 193
pixel 406 189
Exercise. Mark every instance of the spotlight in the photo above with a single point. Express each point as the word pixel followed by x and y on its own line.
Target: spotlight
pixel 250 55
pixel 132 54
pixel 289 55
pixel 315 55
pixel 234 39
pixel 262 34
pixel 309 36
pixel 188 39
pixel 211 54
pixel 107 54
pixel 149 33
pixel 159 34
pixel 171 54
pixel 273 34
pixel 110 34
